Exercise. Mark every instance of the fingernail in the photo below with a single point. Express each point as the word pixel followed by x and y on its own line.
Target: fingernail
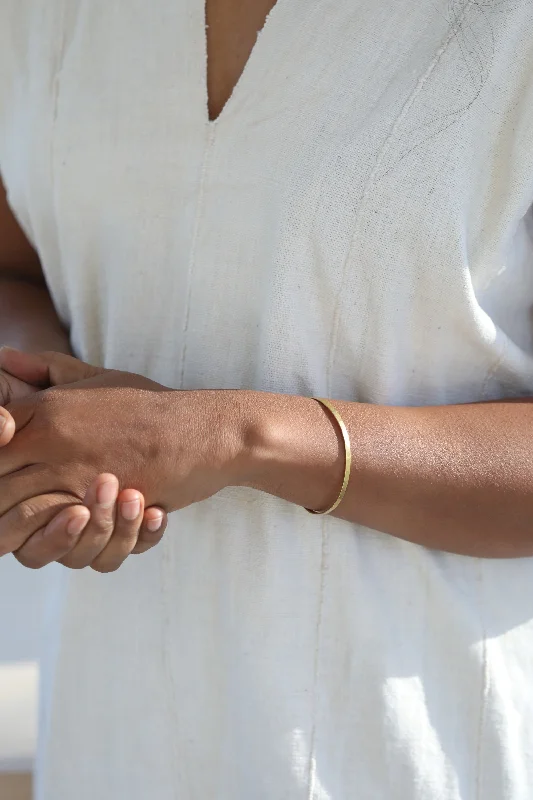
pixel 154 524
pixel 3 421
pixel 130 510
pixel 106 494
pixel 76 525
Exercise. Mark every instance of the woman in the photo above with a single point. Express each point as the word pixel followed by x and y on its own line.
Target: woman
pixel 336 210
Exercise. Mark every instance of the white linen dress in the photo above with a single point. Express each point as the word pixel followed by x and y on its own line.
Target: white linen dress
pixel 355 225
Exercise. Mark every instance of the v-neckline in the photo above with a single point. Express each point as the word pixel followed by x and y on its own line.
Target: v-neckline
pixel 250 66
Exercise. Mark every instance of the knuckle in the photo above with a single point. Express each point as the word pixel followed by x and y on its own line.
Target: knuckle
pixel 24 513
pixel 101 525
pixel 71 477
pixel 69 540
pixel 65 542
pixel 127 533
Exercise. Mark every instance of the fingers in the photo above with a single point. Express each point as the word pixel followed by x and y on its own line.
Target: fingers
pixel 25 519
pixel 7 427
pixel 13 389
pixel 128 520
pixel 20 483
pixel 101 534
pixel 56 538
pixel 117 527
pixel 152 529
pixel 45 369
pixel 28 367
pixel 100 499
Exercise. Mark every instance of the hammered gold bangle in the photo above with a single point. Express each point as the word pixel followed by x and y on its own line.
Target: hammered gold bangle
pixel 347 460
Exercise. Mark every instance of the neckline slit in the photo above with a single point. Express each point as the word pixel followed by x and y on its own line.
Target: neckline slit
pixel 246 70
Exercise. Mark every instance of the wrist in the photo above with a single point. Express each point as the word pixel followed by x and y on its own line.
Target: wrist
pixel 289 447
pixel 245 431
pixel 216 428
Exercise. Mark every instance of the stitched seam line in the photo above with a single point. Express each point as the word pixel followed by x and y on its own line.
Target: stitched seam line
pixel 194 244
pixel 318 634
pixel 484 692
pixel 173 704
pixel 56 87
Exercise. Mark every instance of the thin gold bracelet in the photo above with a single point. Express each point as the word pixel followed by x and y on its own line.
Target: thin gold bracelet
pixel 348 456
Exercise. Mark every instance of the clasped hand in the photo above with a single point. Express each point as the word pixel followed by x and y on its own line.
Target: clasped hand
pixel 81 433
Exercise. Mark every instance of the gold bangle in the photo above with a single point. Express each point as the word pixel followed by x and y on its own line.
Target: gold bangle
pixel 348 456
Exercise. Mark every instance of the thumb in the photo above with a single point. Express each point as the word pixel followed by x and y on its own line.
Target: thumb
pixel 47 368
pixel 7 427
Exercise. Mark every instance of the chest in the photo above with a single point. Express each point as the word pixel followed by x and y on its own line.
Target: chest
pixel 232 28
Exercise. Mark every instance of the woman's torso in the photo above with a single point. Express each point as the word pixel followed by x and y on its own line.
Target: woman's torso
pixel 352 225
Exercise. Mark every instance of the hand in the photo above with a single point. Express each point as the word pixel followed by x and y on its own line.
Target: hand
pixel 175 447
pixel 11 388
pixel 102 536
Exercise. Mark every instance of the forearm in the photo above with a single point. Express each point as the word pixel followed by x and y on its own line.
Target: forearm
pixel 28 320
pixel 455 478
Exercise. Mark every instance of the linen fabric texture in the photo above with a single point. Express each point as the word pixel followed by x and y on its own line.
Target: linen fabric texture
pixel 355 225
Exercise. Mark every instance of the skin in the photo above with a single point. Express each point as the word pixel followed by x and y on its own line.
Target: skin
pixel 100 535
pixel 455 478
pixel 232 28
pixel 28 319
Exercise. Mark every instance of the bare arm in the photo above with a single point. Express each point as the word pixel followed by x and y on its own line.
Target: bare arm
pixel 27 316
pixel 457 478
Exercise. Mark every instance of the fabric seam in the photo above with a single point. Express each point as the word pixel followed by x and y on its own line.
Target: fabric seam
pixel 483 701
pixel 210 138
pixel 318 636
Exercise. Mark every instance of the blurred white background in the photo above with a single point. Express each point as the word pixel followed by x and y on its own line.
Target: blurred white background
pixel 23 607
